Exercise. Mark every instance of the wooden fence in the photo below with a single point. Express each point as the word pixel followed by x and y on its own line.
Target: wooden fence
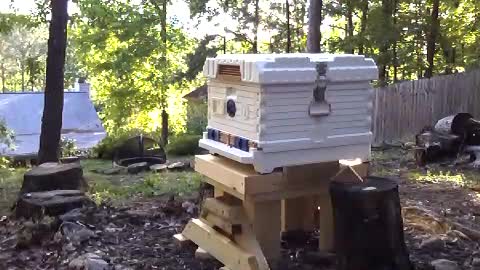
pixel 401 110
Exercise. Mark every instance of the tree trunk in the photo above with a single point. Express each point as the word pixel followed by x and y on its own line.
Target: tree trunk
pixel 395 42
pixel 432 38
pixel 418 52
pixel 54 177
pixel 395 62
pixel 164 127
pixel 363 27
pixel 350 48
pixel 256 22
pixel 369 226
pixel 164 59
pixel 53 108
pixel 164 29
pixel 385 42
pixel 299 18
pixel 418 40
pixel 289 34
pixel 449 53
pixel 314 23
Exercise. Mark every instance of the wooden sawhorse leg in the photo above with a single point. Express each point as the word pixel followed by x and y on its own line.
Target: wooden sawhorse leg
pixel 243 235
pixel 298 214
pixel 265 220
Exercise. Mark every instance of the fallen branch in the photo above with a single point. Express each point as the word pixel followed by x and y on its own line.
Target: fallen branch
pixel 471 233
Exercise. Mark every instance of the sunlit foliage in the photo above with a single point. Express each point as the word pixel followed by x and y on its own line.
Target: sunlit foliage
pixel 133 76
pixel 403 30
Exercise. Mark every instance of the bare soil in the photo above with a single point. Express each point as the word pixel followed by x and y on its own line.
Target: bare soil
pixel 140 236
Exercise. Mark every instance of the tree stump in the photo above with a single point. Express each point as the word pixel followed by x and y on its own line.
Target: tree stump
pixel 54 176
pixel 369 226
pixel 51 203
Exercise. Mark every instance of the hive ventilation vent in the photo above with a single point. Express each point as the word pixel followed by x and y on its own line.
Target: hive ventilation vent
pixel 229 70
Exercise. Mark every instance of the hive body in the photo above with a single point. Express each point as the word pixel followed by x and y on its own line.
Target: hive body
pixel 283 110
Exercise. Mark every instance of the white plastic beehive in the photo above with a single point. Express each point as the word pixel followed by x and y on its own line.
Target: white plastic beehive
pixel 281 110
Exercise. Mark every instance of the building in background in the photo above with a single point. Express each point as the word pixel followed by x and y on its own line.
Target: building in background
pixel 22 113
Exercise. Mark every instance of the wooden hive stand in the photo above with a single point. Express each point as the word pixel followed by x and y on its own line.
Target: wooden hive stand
pixel 241 226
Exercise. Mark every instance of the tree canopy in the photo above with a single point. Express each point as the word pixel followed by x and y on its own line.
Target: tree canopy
pixel 133 74
pixel 137 71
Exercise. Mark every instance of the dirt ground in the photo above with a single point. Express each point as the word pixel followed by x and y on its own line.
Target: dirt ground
pixel 440 209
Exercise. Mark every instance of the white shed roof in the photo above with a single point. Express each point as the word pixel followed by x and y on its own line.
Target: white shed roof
pixel 294 68
pixel 23 112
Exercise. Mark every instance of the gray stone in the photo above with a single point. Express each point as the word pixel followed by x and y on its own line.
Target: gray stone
pixel 202 254
pixel 189 207
pixel 444 264
pixel 88 261
pixel 76 233
pixel 121 267
pixel 409 145
pixel 177 166
pixel 476 262
pixel 137 167
pixel 72 215
pixel 69 248
pixel 433 243
pixel 158 167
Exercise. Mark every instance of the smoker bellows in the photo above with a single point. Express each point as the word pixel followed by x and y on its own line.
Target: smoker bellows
pixel 283 110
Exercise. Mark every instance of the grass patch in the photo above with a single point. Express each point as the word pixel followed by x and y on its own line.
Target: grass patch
pixel 465 179
pixel 179 183
pixel 127 187
pixel 90 165
pixel 10 183
pixel 115 189
pixel 438 177
pixel 390 162
pixel 124 187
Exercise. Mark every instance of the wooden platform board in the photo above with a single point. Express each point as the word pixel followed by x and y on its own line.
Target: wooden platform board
pixel 242 181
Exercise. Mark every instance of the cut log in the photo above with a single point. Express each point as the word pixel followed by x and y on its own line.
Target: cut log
pixel 369 226
pixel 432 146
pixel 54 176
pixel 51 203
pixel 451 136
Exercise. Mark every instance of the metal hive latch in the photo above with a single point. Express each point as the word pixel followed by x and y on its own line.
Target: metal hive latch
pixel 319 107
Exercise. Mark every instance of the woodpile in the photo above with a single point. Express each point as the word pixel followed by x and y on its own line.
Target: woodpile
pixel 451 137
